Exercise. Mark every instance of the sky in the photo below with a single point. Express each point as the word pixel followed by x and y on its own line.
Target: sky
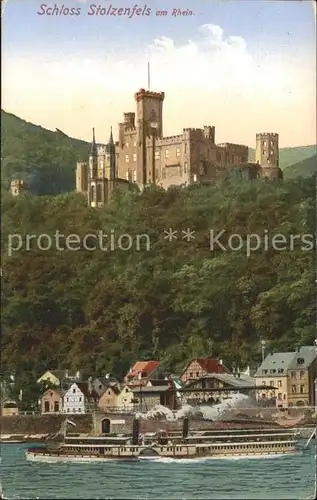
pixel 244 66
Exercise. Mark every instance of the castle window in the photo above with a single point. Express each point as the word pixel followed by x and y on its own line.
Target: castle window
pixel 294 389
pixel 167 153
pixel 134 157
pixel 157 155
pixel 272 152
pixel 134 175
pixel 268 161
pixel 127 158
pixel 178 151
pixel 127 176
pixel 127 144
pixel 302 388
pixel 265 144
pixel 134 144
pixel 185 167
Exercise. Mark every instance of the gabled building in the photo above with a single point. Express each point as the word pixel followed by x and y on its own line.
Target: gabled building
pixel 109 398
pixel 273 374
pixel 301 375
pixel 52 401
pixel 79 398
pixel 200 367
pixel 149 396
pixel 125 398
pixel 60 377
pixel 141 372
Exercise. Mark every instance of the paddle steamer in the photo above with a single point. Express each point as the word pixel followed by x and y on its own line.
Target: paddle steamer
pixel 211 444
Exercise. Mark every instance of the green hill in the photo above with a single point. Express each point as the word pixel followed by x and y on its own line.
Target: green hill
pixel 290 156
pixel 28 148
pixel 100 310
pixel 305 168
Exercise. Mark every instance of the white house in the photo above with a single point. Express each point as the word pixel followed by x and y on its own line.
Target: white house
pixel 75 398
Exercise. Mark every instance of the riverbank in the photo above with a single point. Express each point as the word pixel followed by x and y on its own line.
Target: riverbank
pixel 24 428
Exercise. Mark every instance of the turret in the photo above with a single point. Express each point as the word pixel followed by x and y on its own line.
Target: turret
pixel 112 156
pixel 93 160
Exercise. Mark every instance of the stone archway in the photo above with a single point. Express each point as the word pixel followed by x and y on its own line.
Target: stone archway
pixel 105 426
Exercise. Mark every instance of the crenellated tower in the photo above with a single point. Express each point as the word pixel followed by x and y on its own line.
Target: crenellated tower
pixel 267 155
pixel 149 125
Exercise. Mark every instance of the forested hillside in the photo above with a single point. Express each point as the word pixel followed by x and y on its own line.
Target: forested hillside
pixel 101 310
pixel 305 168
pixel 30 149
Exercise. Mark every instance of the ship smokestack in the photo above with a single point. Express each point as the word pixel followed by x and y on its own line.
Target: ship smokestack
pixel 135 432
pixel 185 427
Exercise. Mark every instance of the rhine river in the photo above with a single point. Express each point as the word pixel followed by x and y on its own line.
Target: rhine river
pixel 289 477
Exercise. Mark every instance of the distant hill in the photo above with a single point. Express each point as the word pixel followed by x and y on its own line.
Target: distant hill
pixel 305 168
pixel 290 156
pixel 30 149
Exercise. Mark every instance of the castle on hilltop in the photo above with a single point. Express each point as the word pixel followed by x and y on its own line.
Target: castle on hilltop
pixel 143 156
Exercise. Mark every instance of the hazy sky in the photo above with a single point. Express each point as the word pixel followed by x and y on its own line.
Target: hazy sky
pixel 243 66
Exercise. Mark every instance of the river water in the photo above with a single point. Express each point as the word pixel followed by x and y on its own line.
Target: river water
pixel 289 477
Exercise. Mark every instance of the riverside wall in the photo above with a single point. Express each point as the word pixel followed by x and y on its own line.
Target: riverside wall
pixel 122 423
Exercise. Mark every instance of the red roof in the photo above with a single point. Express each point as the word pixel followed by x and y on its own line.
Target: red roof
pixel 145 367
pixel 212 365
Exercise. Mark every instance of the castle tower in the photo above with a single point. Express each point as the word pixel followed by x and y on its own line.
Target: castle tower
pixel 149 123
pixel 267 155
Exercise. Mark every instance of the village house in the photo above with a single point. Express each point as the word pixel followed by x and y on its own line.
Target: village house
pixel 198 368
pixel 141 371
pixel 109 398
pixel 59 377
pixel 155 393
pixel 216 387
pixel 301 375
pixel 125 399
pixel 52 401
pixel 79 398
pixel 272 373
pixel 9 408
